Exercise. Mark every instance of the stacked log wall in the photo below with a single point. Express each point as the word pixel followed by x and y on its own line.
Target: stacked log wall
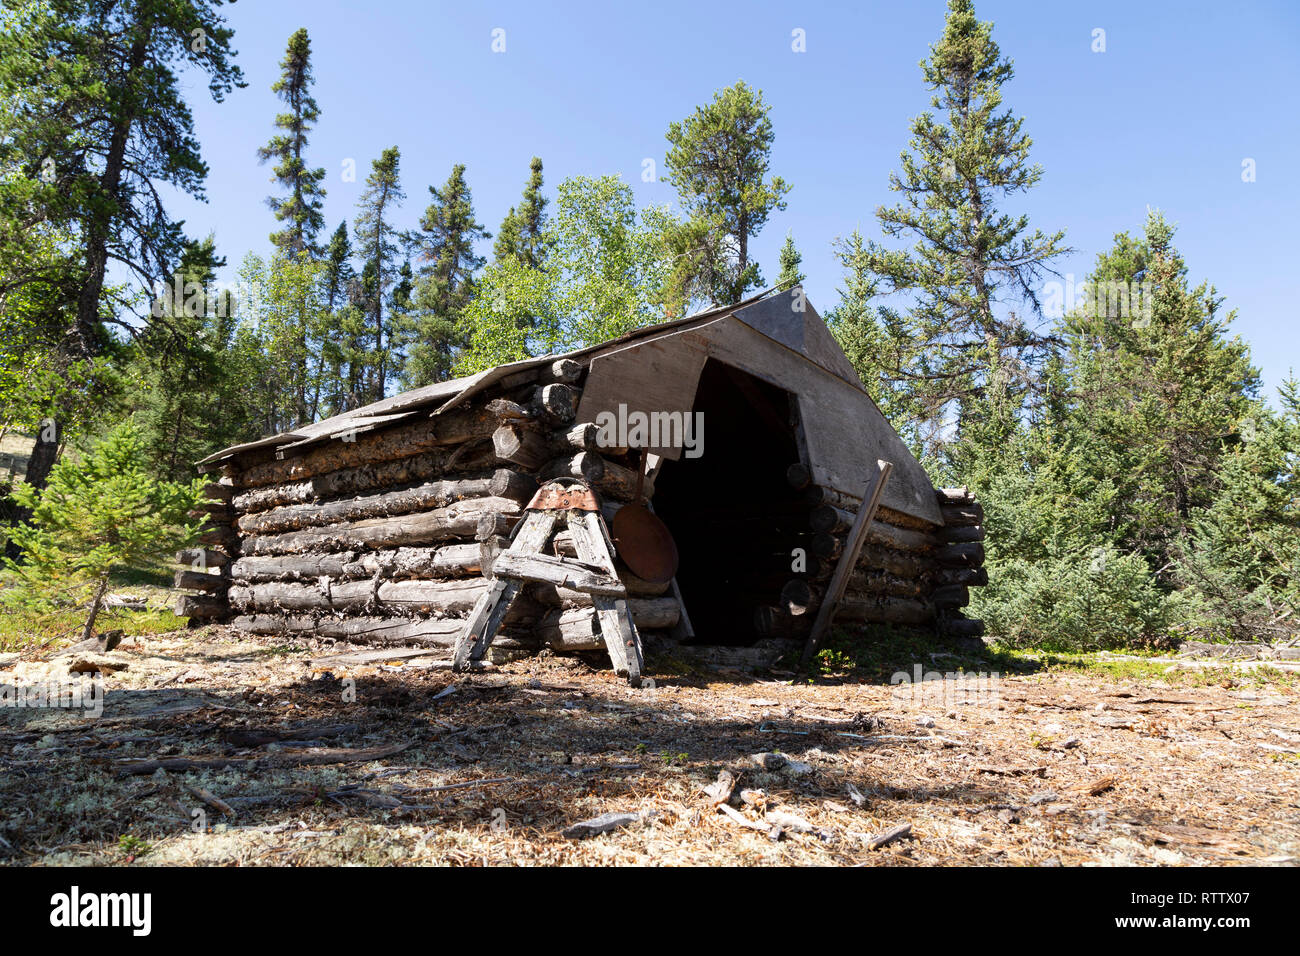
pixel 910 572
pixel 387 536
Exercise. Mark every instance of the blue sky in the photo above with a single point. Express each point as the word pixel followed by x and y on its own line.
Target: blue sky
pixel 1164 117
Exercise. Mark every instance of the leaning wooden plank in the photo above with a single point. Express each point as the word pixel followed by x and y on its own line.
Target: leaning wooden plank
pixel 556 571
pixel 459 520
pixel 616 627
pixel 494 603
pixel 852 547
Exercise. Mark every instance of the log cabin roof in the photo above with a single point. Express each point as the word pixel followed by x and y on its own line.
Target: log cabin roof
pixel 775 336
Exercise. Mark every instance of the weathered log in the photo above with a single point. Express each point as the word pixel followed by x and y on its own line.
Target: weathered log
pixel 901 563
pixel 586 465
pixel 505 410
pixel 199 581
pixel 523 446
pixel 954 496
pixel 825 546
pixel 957 515
pixel 971 577
pixel 558 402
pixel 900 539
pixel 618 482
pixel 412 596
pixel 453 427
pixel 452 560
pixel 951 595
pixel 969 555
pixel 962 627
pixel 582 437
pixel 462 459
pixel 564 371
pixel 222 490
pixel 884 610
pixel 886 583
pixel 366 630
pixel 576 629
pixel 458 520
pixel 497 525
pixel 434 494
pixel 799 597
pixel 220 537
pixel 488 548
pixel 292 567
pixel 816 495
pixel 959 533
pixel 798 476
pixel 828 518
pixel 201 558
pixel 557 571
pixel 201 606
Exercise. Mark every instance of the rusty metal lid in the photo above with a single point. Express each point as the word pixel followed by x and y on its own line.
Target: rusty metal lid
pixel 644 543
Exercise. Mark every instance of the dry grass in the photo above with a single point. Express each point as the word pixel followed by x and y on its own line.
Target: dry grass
pixel 1070 767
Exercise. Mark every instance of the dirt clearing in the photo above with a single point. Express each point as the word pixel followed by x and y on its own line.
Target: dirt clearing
pixel 216 749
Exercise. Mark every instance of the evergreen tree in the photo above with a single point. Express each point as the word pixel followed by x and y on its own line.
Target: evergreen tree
pixel 522 233
pixel 790 276
pixel 300 210
pixel 1242 557
pixel 183 369
pixel 377 239
pixel 104 512
pixel 445 246
pixel 719 159
pixel 973 271
pixel 97 122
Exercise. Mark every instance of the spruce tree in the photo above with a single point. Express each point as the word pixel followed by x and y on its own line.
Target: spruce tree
pixel 97 121
pixel 104 512
pixel 377 240
pixel 522 235
pixel 790 276
pixel 445 246
pixel 300 210
pixel 718 160
pixel 971 271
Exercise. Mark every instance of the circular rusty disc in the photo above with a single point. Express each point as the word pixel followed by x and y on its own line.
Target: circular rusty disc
pixel 644 543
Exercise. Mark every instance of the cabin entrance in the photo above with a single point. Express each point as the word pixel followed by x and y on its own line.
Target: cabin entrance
pixel 731 511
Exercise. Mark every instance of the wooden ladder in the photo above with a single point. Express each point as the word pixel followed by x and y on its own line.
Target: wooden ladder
pixel 592 572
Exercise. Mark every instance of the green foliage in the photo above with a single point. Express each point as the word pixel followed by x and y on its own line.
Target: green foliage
pixel 971 272
pixel 1077 600
pixel 377 239
pixel 104 511
pixel 445 244
pixel 300 210
pixel 718 159
pixel 608 273
pixel 790 276
pixel 522 235
pixel 1242 555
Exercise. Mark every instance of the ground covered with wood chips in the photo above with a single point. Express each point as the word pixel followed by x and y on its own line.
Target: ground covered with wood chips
pixel 217 749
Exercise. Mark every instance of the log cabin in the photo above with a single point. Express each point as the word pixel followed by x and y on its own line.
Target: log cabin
pixel 743 428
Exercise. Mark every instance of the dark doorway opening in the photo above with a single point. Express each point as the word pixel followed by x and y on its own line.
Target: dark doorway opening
pixel 731 511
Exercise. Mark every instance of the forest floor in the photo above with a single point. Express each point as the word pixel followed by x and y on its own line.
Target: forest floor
pixel 216 749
